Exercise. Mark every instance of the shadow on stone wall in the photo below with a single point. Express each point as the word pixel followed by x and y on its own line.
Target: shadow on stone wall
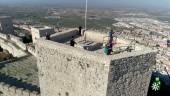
pixel 4 63
pixel 18 83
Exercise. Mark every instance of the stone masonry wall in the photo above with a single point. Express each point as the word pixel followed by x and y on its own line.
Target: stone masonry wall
pixel 63 36
pixel 68 71
pixel 4 36
pixel 40 32
pixel 95 36
pixel 18 41
pixel 35 34
pixel 31 50
pixel 130 76
pixel 15 51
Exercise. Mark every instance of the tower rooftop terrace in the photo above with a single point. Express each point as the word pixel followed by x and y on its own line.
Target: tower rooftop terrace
pixel 95 41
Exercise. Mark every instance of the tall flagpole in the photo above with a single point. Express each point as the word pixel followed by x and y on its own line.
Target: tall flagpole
pixel 86 16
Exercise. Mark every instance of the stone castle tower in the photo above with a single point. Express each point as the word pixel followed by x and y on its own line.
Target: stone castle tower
pixel 69 71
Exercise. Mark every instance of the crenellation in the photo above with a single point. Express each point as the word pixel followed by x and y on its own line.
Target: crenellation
pixel 6 87
pixel 9 90
pixel 26 93
pixel 31 49
pixel 34 93
pixel 19 91
pixel 12 89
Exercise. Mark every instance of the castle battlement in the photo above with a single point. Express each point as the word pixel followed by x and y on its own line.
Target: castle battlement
pixel 9 90
pixel 13 44
pixel 18 41
pixel 31 49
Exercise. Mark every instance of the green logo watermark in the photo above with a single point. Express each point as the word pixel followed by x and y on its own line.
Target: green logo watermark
pixel 156 85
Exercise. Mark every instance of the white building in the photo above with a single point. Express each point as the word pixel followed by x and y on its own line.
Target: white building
pixel 6 25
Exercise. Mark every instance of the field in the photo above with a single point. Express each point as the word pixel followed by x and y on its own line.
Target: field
pixel 72 18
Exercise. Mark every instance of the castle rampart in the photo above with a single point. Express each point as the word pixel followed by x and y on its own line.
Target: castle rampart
pixel 13 44
pixel 31 49
pixel 10 86
pixel 18 41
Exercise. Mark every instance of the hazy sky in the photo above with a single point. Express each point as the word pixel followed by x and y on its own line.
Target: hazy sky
pixel 98 3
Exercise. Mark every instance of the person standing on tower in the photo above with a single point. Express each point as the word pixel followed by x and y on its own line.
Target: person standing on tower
pixel 47 36
pixel 80 28
pixel 110 41
pixel 72 41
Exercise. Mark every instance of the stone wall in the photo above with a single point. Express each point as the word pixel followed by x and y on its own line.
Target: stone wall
pixel 101 37
pixel 95 36
pixel 64 36
pixel 18 41
pixel 4 36
pixel 35 34
pixel 14 45
pixel 8 90
pixel 31 49
pixel 39 32
pixel 64 70
pixel 24 27
pixel 130 76
pixel 68 71
pixel 12 48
